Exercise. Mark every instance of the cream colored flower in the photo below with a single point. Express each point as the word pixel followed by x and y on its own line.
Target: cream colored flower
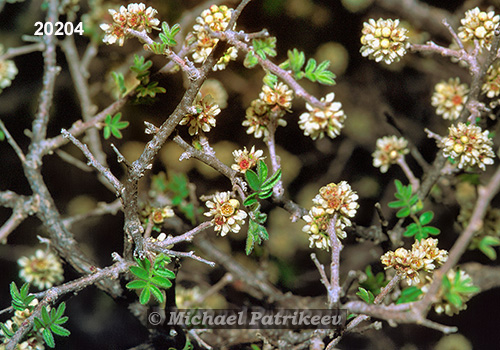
pixel 468 145
pixel 280 95
pixel 226 215
pixel 479 25
pixel 317 122
pixel 216 18
pixel 449 98
pixel 207 110
pixel 8 72
pixel 383 40
pixel 333 201
pixel 134 16
pixel 245 160
pixel 257 119
pixel 43 270
pixel 491 86
pixel 389 150
pixel 424 257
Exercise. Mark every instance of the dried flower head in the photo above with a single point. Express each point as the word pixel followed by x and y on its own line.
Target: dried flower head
pixel 258 117
pixel 280 95
pixel 383 40
pixel 216 18
pixel 226 215
pixel 449 98
pixel 246 160
pixel 389 150
pixel 134 16
pixel 333 201
pixel 491 86
pixel 423 257
pixel 479 25
pixel 43 270
pixel 468 145
pixel 317 122
pixel 8 72
pixel 204 119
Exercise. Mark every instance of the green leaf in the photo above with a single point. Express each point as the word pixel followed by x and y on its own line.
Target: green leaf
pixel 402 213
pixel 365 295
pixel 251 199
pixel 256 233
pixel 161 282
pixel 61 320
pixel 262 171
pixel 265 47
pixel 158 295
pixel 250 60
pixel 145 296
pixel 2 135
pixel 48 338
pixel 270 79
pixel 45 316
pixel 431 230
pixel 137 284
pixel 486 246
pixel 272 181
pixel 139 272
pixel 120 82
pixel 296 60
pixel 263 194
pixel 409 295
pixel 113 126
pixel 454 299
pixel 426 218
pixel 63 332
pixel 252 179
pixel 6 332
pixel 411 230
pixel 168 35
pixel 165 273
pixel 145 264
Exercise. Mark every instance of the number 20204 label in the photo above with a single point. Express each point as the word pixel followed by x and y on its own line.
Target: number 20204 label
pixel 58 28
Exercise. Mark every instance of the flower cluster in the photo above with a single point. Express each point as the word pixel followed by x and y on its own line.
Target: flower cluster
pixel 226 215
pixel 424 256
pixel 258 117
pixel 43 270
pixel 449 98
pixel 204 119
pixel 216 18
pixel 8 72
pixel 479 25
pixel 389 150
pixel 333 201
pixel 317 122
pixel 383 40
pixel 246 160
pixel 279 96
pixel 134 16
pixel 468 146
pixel 491 86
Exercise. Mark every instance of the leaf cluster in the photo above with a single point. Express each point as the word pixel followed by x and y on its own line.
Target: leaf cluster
pixel 454 290
pixel 146 87
pixel 365 295
pixel 51 323
pixel 410 205
pixel 21 298
pixel 151 278
pixel 113 125
pixel 262 48
pixel 313 71
pixel 263 188
pixel 486 245
pixel 373 283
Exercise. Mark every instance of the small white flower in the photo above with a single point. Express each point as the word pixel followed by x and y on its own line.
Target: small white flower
pixel 43 269
pixel 246 160
pixel 226 215
pixel 480 26
pixel 389 150
pixel 317 122
pixel 449 98
pixel 383 40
